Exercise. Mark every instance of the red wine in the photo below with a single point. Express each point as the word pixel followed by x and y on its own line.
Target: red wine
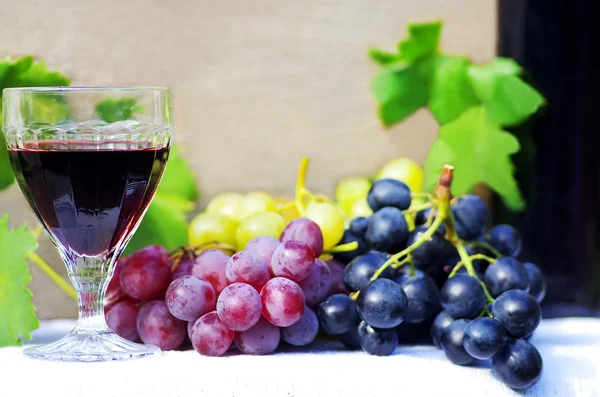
pixel 88 197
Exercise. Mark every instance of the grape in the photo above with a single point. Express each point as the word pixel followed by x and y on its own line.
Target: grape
pixel 349 190
pixel 452 342
pixel 505 239
pixel 389 193
pixel 360 208
pixel 518 311
pixel 387 230
pixel 306 231
pixel 287 211
pixel 317 285
pixel 441 322
pixel 484 337
pixel 382 304
pixel 184 268
pixel 537 284
pixel 210 337
pixel 304 331
pixel 405 170
pixel 330 221
pixel 379 342
pixel 210 226
pixel 504 274
pixel 350 338
pixel 210 266
pixel 294 260
pixel 263 247
pixel 422 295
pixel 156 326
pixel 518 365
pixel 246 268
pixel 470 217
pixel 263 224
pixel 189 297
pixel 261 338
pixel 462 296
pixel 114 293
pixel 146 274
pixel 121 318
pixel 239 306
pixel 338 314
pixel 350 237
pixel 431 251
pixel 256 203
pixel 337 277
pixel 225 204
pixel 282 301
pixel 358 273
pixel 358 226
pixel 423 216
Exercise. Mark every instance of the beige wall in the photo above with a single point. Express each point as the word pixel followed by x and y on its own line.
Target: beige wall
pixel 258 84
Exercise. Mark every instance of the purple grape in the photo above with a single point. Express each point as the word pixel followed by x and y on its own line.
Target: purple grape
pixel 294 260
pixel 245 267
pixel 210 266
pixel 306 231
pixel 337 277
pixel 262 338
pixel 210 337
pixel 188 298
pixel 156 326
pixel 184 268
pixel 317 285
pixel 146 273
pixel 263 247
pixel 282 301
pixel 304 331
pixel 239 306
pixel 121 318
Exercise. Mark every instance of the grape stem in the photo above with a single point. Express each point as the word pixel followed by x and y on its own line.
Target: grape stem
pixel 47 269
pixel 418 208
pixel 343 248
pixel 428 196
pixel 472 257
pixel 488 247
pixel 403 262
pixel 301 191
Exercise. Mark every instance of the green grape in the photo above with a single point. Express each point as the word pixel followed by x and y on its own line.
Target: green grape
pixel 405 170
pixel 255 203
pixel 226 203
pixel 263 224
pixel 290 212
pixel 209 226
pixel 361 208
pixel 330 221
pixel 350 190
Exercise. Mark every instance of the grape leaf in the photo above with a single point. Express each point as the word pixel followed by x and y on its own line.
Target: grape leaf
pixel 423 40
pixel 26 72
pixel 178 179
pixel 480 150
pixel 117 109
pixel 381 57
pixel 451 93
pixel 17 313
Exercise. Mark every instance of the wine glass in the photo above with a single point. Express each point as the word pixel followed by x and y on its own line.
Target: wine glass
pixel 88 160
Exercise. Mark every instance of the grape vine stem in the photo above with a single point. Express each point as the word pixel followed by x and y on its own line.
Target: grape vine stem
pixel 488 247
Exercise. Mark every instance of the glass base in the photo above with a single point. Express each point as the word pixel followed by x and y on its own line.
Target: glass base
pixel 89 346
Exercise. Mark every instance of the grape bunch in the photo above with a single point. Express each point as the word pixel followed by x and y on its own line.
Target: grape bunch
pixel 447 280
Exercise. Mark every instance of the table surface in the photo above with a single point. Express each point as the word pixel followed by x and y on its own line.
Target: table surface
pixel 570 349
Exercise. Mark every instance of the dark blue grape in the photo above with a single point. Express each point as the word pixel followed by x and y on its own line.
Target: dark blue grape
pixel 470 217
pixel 382 303
pixel 518 311
pixel 422 217
pixel 537 284
pixel 518 365
pixel 358 225
pixel 452 343
pixel 428 253
pixel 359 271
pixel 505 239
pixel 423 296
pixel 480 265
pixel 350 338
pixel 387 230
pixel 376 341
pixel 389 193
pixel 414 333
pixel 484 337
pixel 462 296
pixel 441 321
pixel 337 314
pixel 504 274
pixel 350 237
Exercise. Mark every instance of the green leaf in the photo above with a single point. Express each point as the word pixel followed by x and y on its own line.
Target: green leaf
pixel 17 313
pixel 451 93
pixel 513 101
pixel 26 72
pixel 119 109
pixel 423 40
pixel 483 77
pixel 178 179
pixel 381 57
pixel 480 152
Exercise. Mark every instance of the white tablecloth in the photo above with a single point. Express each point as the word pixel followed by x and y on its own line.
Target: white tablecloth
pixel 570 349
